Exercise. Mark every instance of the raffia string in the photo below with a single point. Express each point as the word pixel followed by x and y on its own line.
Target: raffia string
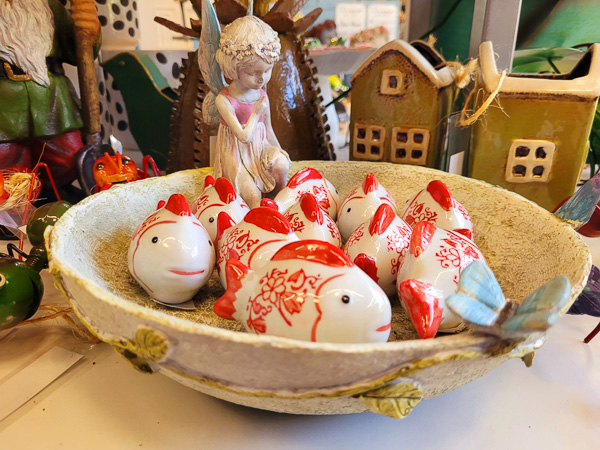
pixel 470 120
pixel 64 314
pixel 463 74
pixel 16 184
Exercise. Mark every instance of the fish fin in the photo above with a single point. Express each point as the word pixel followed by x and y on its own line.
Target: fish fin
pixel 225 190
pixel 422 303
pixel 268 219
pixel 235 271
pixel 441 194
pixel 313 250
pixel 421 238
pixel 161 203
pixel 302 176
pixel 224 221
pixel 311 209
pixel 465 232
pixel 178 205
pixel 370 184
pixel 208 182
pixel 367 264
pixel 578 209
pixel 382 219
pixel 268 203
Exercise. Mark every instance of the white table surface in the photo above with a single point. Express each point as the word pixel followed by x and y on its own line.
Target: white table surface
pixel 103 403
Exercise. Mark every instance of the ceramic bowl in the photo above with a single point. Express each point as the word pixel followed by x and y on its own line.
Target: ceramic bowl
pixel 524 245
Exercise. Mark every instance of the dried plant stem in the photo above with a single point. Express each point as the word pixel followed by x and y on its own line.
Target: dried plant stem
pixel 64 314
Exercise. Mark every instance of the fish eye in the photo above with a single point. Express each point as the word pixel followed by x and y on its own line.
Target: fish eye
pixel 2 280
pixel 345 299
pixel 210 242
pixel 154 239
pixel 349 209
pixel 211 220
pixel 100 166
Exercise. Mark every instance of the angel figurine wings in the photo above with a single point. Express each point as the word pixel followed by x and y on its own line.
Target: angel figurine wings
pixel 247 151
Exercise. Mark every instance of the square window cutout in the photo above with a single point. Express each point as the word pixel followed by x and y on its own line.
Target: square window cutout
pixel 529 161
pixel 392 82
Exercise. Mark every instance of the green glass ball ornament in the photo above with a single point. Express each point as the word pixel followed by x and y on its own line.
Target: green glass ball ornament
pixel 42 217
pixel 21 291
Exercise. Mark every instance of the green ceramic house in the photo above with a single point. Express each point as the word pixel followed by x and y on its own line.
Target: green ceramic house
pixel 401 97
pixel 537 142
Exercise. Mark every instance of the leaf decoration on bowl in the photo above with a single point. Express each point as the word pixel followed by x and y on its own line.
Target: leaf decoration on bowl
pixel 147 346
pixel 480 302
pixel 393 400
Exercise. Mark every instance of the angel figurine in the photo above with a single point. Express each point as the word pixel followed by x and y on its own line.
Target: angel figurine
pixel 247 151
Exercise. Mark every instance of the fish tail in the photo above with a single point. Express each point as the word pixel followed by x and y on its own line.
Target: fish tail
pixel 235 271
pixel 422 302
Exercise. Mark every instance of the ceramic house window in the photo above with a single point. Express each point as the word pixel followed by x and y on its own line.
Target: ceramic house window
pixel 529 161
pixel 391 82
pixel 409 145
pixel 368 142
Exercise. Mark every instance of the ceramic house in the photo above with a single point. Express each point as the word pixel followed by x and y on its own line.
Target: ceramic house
pixel 401 97
pixel 536 143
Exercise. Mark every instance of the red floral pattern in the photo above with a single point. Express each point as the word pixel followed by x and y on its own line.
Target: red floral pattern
pixel 355 237
pixel 457 252
pixel 281 293
pixel 418 212
pixel 199 203
pixel 296 223
pixel 320 192
pixel 398 239
pixel 236 243
pixel 463 211
pixel 335 233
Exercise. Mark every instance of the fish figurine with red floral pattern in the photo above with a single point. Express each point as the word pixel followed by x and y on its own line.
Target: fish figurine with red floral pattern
pixel 377 247
pixel 218 196
pixel 309 221
pixel 429 273
pixel 310 181
pixel 436 204
pixel 254 240
pixel 360 205
pixel 311 291
pixel 170 254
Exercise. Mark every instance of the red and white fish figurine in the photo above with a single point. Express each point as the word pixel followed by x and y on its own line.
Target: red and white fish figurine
pixel 311 291
pixel 218 196
pixel 436 204
pixel 377 247
pixel 360 205
pixel 429 274
pixel 310 181
pixel 170 254
pixel 254 240
pixel 309 221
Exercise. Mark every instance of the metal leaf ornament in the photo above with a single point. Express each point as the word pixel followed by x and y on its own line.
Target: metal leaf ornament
pixel 480 302
pixel 578 210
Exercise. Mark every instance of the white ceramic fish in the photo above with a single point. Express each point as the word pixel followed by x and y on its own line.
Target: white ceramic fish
pixel 360 205
pixel 311 291
pixel 309 221
pixel 254 240
pixel 218 196
pixel 377 247
pixel 311 181
pixel 170 254
pixel 436 204
pixel 429 274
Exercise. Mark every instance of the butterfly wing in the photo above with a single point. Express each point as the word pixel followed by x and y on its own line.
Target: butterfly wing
pixel 479 299
pixel 539 310
pixel 579 208
pixel 210 69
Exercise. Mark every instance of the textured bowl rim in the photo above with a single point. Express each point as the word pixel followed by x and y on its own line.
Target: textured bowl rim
pixel 60 267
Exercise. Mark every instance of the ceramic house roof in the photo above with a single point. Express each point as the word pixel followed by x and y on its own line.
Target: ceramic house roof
pixel 584 83
pixel 438 77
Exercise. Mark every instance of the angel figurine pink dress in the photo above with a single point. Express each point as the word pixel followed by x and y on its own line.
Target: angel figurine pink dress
pixel 247 151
